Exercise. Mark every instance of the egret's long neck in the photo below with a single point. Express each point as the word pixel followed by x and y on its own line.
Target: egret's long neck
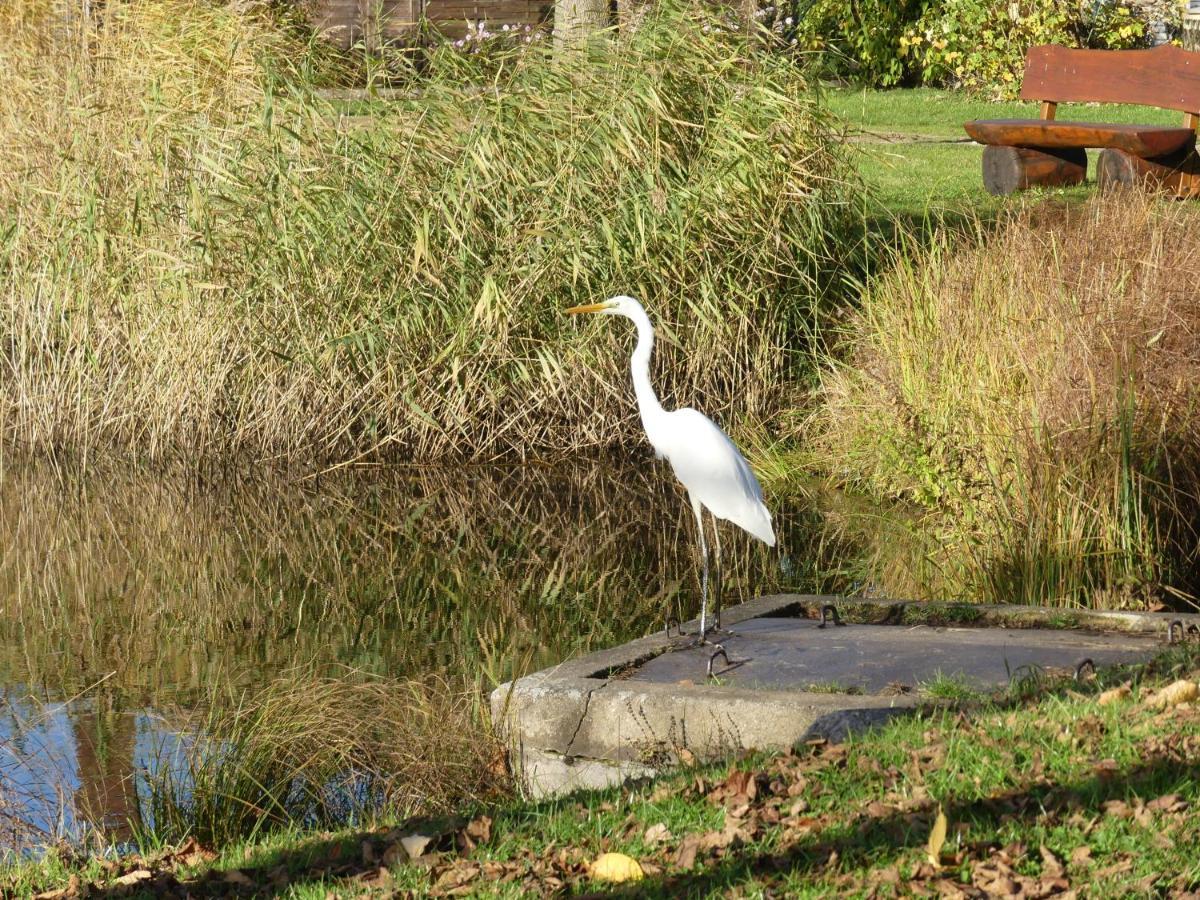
pixel 648 405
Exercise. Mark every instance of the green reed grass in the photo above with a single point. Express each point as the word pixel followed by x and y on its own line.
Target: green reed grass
pixel 202 258
pixel 1031 394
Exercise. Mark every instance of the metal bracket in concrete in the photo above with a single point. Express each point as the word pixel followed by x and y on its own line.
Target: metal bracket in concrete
pixel 640 708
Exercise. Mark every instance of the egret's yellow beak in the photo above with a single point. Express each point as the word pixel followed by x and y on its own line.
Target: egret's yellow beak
pixel 587 308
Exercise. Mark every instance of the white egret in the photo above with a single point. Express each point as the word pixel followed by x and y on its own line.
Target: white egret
pixel 716 476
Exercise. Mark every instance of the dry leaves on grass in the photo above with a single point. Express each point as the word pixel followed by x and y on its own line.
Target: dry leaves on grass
pixel 1182 691
pixel 154 874
pixel 998 875
pixel 1115 695
pixel 657 833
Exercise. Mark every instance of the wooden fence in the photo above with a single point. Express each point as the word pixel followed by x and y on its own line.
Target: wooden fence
pixel 375 22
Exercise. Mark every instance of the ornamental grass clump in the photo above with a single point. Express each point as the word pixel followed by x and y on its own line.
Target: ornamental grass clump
pixel 1033 398
pixel 203 258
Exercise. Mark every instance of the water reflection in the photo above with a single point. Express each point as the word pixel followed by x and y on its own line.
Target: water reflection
pixel 137 592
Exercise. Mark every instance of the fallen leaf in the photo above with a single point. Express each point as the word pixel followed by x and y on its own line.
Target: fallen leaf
pixel 1052 866
pixel 1116 868
pixel 889 875
pixel 1168 803
pixel 616 867
pixel 374 878
pixel 658 833
pixel 937 837
pixel 685 857
pixel 686 756
pixel 738 789
pixel 1142 815
pixel 1004 886
pixel 1081 856
pixel 478 831
pixel 234 876
pixel 134 877
pixel 1117 808
pixel 1114 695
pixel 414 844
pixel 1182 691
pixel 797 787
pixel 947 888
pixel 457 876
pixel 58 894
pixel 395 855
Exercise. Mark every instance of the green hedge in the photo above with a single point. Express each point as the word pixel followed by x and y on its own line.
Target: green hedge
pixel 978 45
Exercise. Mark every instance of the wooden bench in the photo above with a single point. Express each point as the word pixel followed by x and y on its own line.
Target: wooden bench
pixel 1021 153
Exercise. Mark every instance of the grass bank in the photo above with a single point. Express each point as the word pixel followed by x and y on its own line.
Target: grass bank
pixel 1030 394
pixel 1044 791
pixel 201 259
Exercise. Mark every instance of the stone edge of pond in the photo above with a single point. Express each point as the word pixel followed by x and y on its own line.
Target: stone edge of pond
pixel 583 724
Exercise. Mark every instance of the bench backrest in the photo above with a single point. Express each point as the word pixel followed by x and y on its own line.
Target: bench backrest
pixel 1167 77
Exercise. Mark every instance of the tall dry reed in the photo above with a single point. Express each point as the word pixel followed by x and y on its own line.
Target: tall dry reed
pixel 201 258
pixel 1033 395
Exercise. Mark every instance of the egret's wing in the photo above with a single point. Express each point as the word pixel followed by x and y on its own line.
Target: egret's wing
pixel 715 473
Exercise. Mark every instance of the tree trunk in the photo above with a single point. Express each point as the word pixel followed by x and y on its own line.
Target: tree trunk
pixel 575 21
pixel 1008 169
pixel 1177 174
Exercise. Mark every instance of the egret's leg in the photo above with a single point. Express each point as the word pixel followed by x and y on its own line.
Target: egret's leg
pixel 699 511
pixel 718 575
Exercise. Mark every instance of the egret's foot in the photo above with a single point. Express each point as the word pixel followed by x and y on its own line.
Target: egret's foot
pixel 712 637
pixel 691 640
pixel 718 654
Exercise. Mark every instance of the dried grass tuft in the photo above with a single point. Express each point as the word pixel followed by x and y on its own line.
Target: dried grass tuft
pixel 1034 395
pixel 322 752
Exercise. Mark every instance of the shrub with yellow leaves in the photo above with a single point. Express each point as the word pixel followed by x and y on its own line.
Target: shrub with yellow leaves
pixel 980 45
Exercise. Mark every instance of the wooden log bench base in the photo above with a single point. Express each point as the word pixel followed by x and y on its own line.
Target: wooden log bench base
pixel 1023 153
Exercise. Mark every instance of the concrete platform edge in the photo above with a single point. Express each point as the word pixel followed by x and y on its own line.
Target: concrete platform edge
pixel 580 725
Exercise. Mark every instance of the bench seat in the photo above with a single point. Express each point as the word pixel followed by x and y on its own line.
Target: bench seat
pixel 1140 140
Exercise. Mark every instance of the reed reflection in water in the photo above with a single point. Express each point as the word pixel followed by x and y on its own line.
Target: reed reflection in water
pixel 127 595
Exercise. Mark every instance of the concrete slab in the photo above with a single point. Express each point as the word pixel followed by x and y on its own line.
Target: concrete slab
pixel 636 709
pixel 799 654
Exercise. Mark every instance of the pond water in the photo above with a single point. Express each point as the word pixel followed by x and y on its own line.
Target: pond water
pixel 127 596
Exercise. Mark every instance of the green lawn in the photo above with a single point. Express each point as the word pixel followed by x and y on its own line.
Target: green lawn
pixel 935 112
pixel 924 176
pixel 1044 789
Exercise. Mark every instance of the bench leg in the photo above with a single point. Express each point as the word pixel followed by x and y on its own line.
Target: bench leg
pixel 1008 169
pixel 1177 174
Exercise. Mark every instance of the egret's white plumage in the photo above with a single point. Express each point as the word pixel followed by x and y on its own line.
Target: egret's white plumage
pixel 704 459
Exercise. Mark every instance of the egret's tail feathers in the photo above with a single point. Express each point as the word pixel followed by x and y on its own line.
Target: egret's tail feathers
pixel 765 533
pixel 758 524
